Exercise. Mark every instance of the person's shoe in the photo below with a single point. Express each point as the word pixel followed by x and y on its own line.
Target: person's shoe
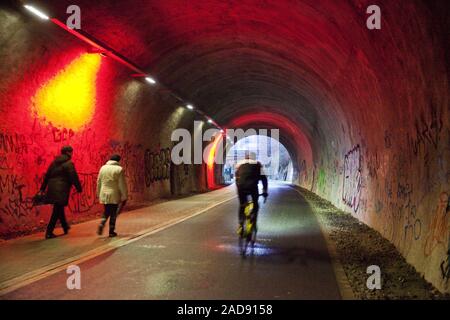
pixel 112 234
pixel 50 236
pixel 100 230
pixel 66 231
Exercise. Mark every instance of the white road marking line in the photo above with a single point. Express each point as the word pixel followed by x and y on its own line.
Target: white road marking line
pixel 44 272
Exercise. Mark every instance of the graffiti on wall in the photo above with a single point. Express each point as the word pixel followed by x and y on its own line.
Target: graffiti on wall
pixel 427 131
pixel 85 201
pixel 438 231
pixel 321 180
pixel 403 211
pixel 13 143
pixel 413 225
pixel 14 202
pixel 132 162
pixel 373 165
pixel 25 156
pixel 351 191
pixel 157 166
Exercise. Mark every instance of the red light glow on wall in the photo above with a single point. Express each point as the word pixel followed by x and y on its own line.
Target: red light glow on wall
pixel 275 120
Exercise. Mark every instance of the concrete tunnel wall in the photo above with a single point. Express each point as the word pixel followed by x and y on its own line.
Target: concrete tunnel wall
pixel 366 113
pixel 118 116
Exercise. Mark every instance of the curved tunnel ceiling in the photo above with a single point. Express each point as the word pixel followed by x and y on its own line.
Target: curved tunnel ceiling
pixel 311 61
pixel 231 56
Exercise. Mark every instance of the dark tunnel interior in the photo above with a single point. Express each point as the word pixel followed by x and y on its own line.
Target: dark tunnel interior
pixel 364 114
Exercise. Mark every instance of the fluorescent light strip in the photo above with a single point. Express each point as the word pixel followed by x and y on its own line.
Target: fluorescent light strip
pixel 150 80
pixel 36 12
pixel 43 16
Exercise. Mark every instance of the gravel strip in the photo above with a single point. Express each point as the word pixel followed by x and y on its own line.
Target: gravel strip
pixel 358 246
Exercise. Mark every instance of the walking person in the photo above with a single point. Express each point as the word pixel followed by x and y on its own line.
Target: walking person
pixel 112 192
pixel 58 181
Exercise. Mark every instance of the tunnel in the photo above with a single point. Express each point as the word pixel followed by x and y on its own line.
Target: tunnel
pixel 363 113
pixel 264 149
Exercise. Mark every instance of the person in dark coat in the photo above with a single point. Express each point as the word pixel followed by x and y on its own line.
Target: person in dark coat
pixel 58 181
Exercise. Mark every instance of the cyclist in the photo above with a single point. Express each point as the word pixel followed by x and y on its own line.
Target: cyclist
pixel 248 174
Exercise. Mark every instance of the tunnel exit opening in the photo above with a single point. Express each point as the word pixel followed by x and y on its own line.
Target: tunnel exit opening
pixel 267 150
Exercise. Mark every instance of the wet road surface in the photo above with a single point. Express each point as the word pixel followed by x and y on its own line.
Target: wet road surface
pixel 200 259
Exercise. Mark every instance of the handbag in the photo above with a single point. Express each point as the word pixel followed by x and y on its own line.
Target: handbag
pixel 39 199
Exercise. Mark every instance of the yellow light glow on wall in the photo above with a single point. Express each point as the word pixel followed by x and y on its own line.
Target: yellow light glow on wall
pixel 210 163
pixel 68 99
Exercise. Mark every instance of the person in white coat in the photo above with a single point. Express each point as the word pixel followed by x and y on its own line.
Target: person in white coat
pixel 112 191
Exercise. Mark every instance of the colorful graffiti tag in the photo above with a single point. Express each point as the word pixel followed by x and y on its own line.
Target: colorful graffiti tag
pixel 351 190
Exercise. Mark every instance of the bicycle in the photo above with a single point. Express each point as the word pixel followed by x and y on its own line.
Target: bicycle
pixel 247 235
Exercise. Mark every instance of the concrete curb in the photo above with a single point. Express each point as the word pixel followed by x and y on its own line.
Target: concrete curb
pixel 41 273
pixel 345 289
